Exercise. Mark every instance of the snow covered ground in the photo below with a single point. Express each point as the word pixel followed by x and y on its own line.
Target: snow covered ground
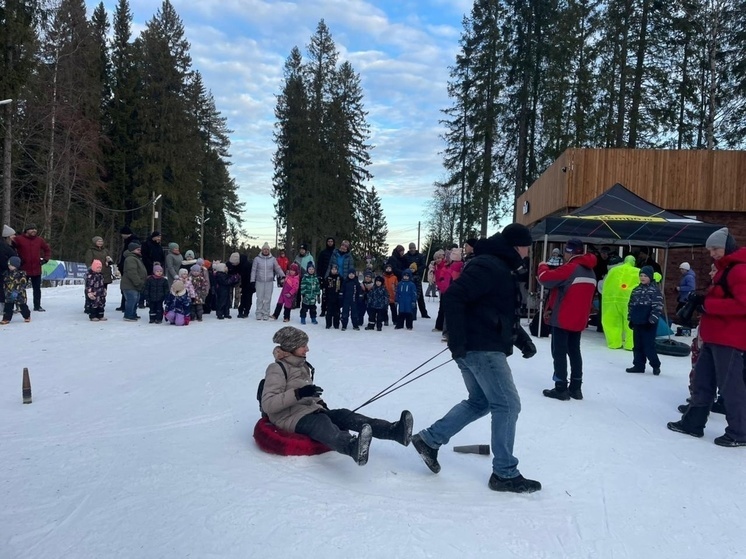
pixel 138 444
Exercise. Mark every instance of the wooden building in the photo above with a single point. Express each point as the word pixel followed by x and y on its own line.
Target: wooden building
pixel 709 185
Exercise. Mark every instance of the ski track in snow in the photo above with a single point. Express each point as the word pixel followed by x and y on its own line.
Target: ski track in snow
pixel 139 444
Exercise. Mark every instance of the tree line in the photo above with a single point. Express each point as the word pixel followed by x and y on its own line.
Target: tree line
pixel 535 77
pixel 102 123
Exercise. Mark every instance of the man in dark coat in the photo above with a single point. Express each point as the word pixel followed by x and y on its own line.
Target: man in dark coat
pixel 152 252
pixel 397 261
pixel 481 308
pixel 127 237
pixel 413 256
pixel 243 269
pixel 322 265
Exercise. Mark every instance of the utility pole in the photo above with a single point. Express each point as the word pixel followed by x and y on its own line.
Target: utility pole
pixel 202 233
pixel 418 236
pixel 155 213
pixel 7 154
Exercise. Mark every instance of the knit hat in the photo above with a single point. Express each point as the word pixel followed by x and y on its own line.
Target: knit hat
pixel 412 246
pixel 173 246
pixel 155 234
pixel 133 247
pixel 575 246
pixel 8 231
pixel 219 267
pixel 379 278
pixel 183 272
pixel 177 287
pixel 196 269
pixel 265 246
pixel 125 230
pixel 189 255
pixel 440 253
pixel 388 267
pixel 407 272
pixel 722 239
pixel 517 235
pixel 201 261
pixel 96 266
pixel 310 266
pixel 96 239
pixel 334 267
pixel 555 252
pixel 456 255
pixel 33 226
pixel 368 273
pixel 472 242
pixel 157 268
pixel 290 338
pixel 413 266
pixel 304 246
pixel 234 258
pixel 14 261
pixel 685 266
pixel 294 268
pixel 648 271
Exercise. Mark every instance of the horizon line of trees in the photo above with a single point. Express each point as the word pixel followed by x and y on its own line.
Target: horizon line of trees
pixel 102 123
pixel 533 78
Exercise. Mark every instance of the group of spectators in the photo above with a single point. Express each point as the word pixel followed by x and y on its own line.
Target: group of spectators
pixel 21 260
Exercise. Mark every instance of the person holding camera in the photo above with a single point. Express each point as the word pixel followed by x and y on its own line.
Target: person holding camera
pixel 721 361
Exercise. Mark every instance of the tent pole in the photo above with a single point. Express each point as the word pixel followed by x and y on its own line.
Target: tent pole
pixel 663 291
pixel 541 293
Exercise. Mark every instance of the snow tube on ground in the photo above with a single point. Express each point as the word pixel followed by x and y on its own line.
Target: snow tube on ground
pixel 672 347
pixel 276 441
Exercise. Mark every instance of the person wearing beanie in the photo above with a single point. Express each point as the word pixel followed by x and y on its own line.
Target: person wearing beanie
pixel 406 299
pixel 239 266
pixel 644 310
pixel 95 290
pixel 34 252
pixel 292 403
pixel 687 285
pixel 332 288
pixel 322 268
pixel 572 288
pixel 264 270
pixel 6 252
pixel 127 237
pixel 152 252
pixel 156 289
pixel 14 283
pixel 97 251
pixel 174 258
pixel 178 304
pixel 555 260
pixel 290 288
pixel 432 288
pixel 310 290
pixel 378 302
pixel 303 259
pixel 721 359
pixel 133 281
pixel 197 284
pixel 224 284
pixel 352 292
pixel 469 247
pixel 414 257
pixel 486 293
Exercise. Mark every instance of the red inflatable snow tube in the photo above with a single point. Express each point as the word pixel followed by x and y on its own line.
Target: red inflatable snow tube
pixel 276 441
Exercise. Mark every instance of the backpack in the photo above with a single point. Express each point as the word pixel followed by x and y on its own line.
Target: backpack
pixel 260 388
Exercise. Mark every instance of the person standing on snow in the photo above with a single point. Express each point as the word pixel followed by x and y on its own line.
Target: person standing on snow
pixel 573 286
pixel 481 309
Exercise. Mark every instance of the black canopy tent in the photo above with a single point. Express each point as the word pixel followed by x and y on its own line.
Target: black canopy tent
pixel 621 217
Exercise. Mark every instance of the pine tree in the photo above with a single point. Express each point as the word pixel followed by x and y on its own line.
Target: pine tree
pixel 370 237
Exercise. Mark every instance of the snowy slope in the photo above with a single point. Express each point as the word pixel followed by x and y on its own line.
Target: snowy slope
pixel 139 444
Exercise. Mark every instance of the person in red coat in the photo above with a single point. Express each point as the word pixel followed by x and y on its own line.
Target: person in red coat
pixel 573 286
pixel 34 251
pixel 722 328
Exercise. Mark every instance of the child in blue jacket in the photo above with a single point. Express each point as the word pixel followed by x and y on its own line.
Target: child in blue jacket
pixel 406 298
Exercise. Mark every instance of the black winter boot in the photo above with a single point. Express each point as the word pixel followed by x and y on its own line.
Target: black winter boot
pixel 727 440
pixel 428 454
pixel 360 445
pixel 692 422
pixel 399 431
pixel 558 393
pixel 635 369
pixel 518 484
pixel 574 390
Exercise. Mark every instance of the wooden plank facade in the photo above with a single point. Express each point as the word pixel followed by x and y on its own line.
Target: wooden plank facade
pixel 684 181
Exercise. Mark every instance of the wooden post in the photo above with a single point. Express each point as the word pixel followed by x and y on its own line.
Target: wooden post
pixel 26 388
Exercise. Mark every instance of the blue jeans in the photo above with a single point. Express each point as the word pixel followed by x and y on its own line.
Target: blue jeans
pixel 131 298
pixel 489 383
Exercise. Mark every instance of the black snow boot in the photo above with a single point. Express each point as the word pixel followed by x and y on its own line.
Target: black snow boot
pixel 428 454
pixel 727 440
pixel 360 445
pixel 399 431
pixel 558 393
pixel 370 326
pixel 635 369
pixel 692 422
pixel 574 390
pixel 518 484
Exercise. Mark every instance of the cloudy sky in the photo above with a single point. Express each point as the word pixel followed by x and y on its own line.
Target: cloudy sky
pixel 400 48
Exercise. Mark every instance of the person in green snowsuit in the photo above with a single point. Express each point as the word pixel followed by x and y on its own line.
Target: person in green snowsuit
pixel 618 286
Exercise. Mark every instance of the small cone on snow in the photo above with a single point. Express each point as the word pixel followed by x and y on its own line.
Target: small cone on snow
pixel 473 449
pixel 26 387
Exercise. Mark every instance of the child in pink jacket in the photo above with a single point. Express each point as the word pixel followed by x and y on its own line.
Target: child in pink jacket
pixel 287 295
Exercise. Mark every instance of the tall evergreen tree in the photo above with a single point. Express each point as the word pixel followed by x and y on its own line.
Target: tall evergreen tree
pixel 370 236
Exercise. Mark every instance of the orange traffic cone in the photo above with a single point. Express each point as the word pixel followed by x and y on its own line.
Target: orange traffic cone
pixel 26 387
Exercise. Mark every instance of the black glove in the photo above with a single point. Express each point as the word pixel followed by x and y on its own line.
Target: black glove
pixel 697 298
pixel 523 342
pixel 308 390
